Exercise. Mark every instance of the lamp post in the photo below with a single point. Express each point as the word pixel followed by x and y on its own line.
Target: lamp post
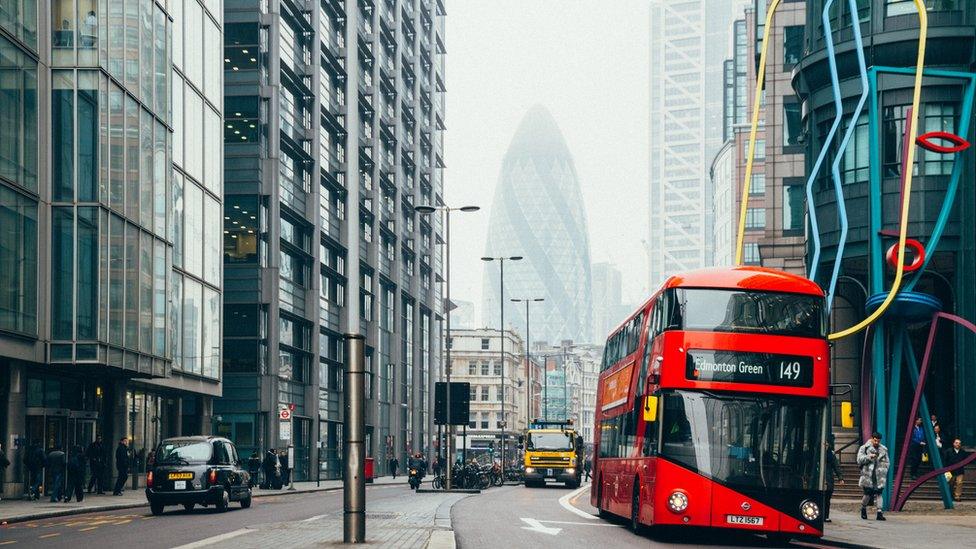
pixel 426 209
pixel 528 357
pixel 501 332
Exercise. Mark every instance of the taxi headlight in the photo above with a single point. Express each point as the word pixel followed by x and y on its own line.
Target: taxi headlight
pixel 810 510
pixel 677 502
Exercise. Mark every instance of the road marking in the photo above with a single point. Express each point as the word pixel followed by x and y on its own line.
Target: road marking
pixel 536 526
pixel 315 518
pixel 567 505
pixel 214 539
pixel 8 542
pixel 87 529
pixel 49 535
pixel 121 522
pixel 578 523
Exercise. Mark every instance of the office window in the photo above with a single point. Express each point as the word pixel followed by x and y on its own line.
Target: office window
pixel 760 153
pixel 19 18
pixel 86 310
pixel 472 368
pixel 484 344
pixel 62 272
pixel 855 164
pixel 62 135
pixel 484 368
pixel 193 229
pixel 792 127
pixel 241 234
pixel 794 207
pixel 792 44
pixel 18 115
pixel 892 135
pixel 484 420
pixel 755 218
pixel 484 393
pixel 472 392
pixel 938 117
pixel 758 185
pixel 18 261
pixel 497 368
pixel 192 326
pixel 750 253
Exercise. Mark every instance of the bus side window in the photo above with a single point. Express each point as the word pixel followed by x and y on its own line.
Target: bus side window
pixel 651 430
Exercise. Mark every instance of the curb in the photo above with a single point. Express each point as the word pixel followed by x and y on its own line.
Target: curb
pixel 441 539
pixel 451 491
pixel 120 506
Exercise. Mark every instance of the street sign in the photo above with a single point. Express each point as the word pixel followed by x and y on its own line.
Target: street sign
pixel 460 403
pixel 284 430
pixel 284 414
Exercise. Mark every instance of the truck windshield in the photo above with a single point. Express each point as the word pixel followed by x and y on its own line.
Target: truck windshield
pixel 550 441
pixel 753 312
pixel 180 451
pixel 746 441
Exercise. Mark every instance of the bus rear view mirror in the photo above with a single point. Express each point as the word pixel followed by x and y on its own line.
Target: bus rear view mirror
pixel 650 408
pixel 847 414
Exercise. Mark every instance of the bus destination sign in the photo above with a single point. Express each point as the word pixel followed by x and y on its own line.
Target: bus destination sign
pixel 746 367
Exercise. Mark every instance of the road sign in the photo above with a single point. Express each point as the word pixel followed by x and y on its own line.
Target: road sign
pixel 284 430
pixel 284 414
pixel 460 403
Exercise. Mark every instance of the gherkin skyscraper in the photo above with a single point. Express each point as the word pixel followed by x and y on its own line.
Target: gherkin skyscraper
pixel 538 213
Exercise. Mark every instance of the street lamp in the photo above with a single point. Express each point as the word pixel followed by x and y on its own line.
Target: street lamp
pixel 426 209
pixel 528 356
pixel 501 332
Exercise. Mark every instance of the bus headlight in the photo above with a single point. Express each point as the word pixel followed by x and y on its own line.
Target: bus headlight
pixel 810 510
pixel 677 502
pixel 530 470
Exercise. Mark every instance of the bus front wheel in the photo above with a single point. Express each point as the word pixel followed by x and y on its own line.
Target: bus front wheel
pixel 635 524
pixel 778 540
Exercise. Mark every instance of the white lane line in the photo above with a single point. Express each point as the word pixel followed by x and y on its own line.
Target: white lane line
pixel 214 539
pixel 578 523
pixel 315 518
pixel 536 526
pixel 564 501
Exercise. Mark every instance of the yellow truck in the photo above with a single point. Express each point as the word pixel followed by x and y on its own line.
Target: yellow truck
pixel 553 450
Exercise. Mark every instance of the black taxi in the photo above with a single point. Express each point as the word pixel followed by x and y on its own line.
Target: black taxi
pixel 199 470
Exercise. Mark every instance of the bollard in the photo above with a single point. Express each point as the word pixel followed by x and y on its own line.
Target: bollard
pixel 354 442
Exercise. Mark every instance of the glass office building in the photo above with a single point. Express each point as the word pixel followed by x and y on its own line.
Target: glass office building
pixel 333 134
pixel 110 201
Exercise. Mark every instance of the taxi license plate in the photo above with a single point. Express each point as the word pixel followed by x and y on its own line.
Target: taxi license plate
pixel 742 519
pixel 179 485
pixel 548 472
pixel 180 476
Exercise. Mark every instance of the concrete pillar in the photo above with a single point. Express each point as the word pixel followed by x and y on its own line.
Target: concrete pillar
pixel 206 415
pixel 16 429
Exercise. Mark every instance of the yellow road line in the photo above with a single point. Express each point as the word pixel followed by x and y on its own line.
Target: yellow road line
pixel 121 522
pixel 8 542
pixel 87 529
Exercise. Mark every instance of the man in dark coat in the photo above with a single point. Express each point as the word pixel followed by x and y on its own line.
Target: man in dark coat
pixel 953 456
pixel 76 474
pixel 121 466
pixel 254 468
pixel 95 454
pixel 270 466
pixel 832 473
pixel 55 465
pixel 285 470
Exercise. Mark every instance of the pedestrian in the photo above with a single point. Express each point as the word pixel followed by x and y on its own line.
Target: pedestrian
pixel 122 463
pixel 436 466
pixel 934 419
pixel 587 467
pixel 55 466
pixel 254 468
pixel 95 455
pixel 270 466
pixel 285 470
pixel 34 464
pixel 4 463
pixel 938 437
pixel 833 473
pixel 76 475
pixel 872 457
pixel 916 447
pixel 953 456
pixel 394 466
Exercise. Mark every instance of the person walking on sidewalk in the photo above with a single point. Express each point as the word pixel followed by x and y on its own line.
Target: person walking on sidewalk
pixel 953 456
pixel 916 447
pixel 394 466
pixel 34 463
pixel 270 467
pixel 76 475
pixel 95 455
pixel 872 458
pixel 587 467
pixel 122 463
pixel 55 465
pixel 254 468
pixel 832 473
pixel 285 470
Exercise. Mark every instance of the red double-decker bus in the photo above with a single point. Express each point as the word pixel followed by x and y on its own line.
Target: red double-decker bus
pixel 712 406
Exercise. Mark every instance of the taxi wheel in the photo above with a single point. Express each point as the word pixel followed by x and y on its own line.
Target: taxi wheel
pixel 187 507
pixel 246 502
pixel 223 501
pixel 156 508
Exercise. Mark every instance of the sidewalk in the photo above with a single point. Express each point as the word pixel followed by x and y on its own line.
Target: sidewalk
pixel 918 527
pixel 19 510
pixel 423 524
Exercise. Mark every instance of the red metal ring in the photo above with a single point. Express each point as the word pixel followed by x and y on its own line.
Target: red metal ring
pixel 918 252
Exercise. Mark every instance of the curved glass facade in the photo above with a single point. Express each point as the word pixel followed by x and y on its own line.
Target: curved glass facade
pixel 538 213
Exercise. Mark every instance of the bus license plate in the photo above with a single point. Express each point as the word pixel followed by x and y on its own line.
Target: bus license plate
pixel 179 485
pixel 548 472
pixel 742 519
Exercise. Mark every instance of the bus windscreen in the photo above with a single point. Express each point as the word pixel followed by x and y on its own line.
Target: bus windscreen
pixel 555 442
pixel 738 311
pixel 745 441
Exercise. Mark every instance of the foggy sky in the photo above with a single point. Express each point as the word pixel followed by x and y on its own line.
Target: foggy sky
pixel 586 61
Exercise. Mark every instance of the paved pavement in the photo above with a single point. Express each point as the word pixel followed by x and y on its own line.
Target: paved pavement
pixel 300 520
pixel 558 517
pixel 17 510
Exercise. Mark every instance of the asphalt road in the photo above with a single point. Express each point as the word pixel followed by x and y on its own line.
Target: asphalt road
pixel 137 528
pixel 515 516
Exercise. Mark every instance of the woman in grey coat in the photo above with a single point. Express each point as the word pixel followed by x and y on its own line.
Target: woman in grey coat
pixel 872 458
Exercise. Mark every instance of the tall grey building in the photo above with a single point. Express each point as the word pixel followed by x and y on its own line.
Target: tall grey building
pixel 538 213
pixel 110 216
pixel 334 132
pixel 688 44
pixel 607 299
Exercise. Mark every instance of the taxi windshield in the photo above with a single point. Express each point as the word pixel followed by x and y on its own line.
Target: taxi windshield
pixel 184 451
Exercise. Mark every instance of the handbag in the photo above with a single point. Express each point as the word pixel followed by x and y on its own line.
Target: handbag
pixel 925 457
